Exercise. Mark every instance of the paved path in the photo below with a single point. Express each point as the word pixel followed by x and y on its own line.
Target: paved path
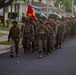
pixel 61 62
pixel 3 38
pixel 6 32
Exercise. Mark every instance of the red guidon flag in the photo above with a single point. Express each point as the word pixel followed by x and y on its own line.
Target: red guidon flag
pixel 30 12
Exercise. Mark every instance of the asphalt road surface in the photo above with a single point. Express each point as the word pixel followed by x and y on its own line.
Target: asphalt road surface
pixel 60 62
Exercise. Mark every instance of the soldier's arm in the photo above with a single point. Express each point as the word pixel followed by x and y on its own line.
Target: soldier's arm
pixel 9 35
pixel 22 32
pixel 32 31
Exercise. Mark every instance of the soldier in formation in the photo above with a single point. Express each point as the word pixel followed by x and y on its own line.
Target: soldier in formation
pixel 14 35
pixel 43 35
pixel 27 36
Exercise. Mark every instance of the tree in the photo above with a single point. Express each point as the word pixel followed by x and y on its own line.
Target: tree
pixel 67 4
pixel 40 1
pixel 5 3
pixel 74 2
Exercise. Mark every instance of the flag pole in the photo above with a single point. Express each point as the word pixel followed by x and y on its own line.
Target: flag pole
pixel 30 2
pixel 47 7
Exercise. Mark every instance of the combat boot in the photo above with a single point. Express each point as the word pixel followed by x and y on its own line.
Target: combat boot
pixel 16 53
pixel 11 55
pixel 44 54
pixel 25 52
pixel 47 53
pixel 50 50
pixel 32 49
pixel 40 55
pixel 59 46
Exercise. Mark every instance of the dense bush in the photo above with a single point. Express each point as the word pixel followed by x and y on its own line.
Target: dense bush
pixel 13 15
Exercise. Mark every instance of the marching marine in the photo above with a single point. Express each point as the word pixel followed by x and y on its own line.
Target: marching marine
pixel 27 35
pixel 50 38
pixel 42 32
pixel 14 35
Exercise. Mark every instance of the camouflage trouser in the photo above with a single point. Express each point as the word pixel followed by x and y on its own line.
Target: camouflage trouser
pixel 54 41
pixel 14 46
pixel 42 45
pixel 68 34
pixel 58 41
pixel 50 44
pixel 26 44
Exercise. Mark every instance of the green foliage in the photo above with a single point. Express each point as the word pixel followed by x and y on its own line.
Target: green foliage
pixel 13 15
pixel 26 1
pixel 23 19
pixel 75 2
pixel 67 4
pixel 40 1
pixel 23 14
pixel 32 0
pixel 5 28
pixel 2 34
pixel 5 43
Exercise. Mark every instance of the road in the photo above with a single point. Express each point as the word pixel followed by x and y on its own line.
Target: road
pixel 60 62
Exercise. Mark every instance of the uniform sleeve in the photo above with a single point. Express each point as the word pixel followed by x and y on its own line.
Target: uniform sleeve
pixel 9 35
pixel 47 31
pixel 37 31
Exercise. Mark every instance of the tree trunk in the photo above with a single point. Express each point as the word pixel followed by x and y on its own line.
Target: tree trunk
pixel 4 17
pixel 10 12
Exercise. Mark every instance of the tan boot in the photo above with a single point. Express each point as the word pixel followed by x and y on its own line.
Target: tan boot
pixel 44 54
pixel 16 55
pixel 25 52
pixel 40 55
pixel 32 49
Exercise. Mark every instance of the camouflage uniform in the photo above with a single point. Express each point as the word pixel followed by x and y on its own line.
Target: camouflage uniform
pixel 68 29
pixel 33 23
pixel 59 37
pixel 55 28
pixel 50 38
pixel 73 28
pixel 14 35
pixel 27 37
pixel 42 32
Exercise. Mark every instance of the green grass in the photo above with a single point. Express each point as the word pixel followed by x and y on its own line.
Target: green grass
pixel 5 43
pixel 6 28
pixel 2 34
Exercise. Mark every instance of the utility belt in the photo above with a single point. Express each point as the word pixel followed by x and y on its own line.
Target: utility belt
pixel 42 35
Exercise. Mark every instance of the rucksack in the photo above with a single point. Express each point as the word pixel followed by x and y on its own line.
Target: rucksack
pixel 27 29
pixel 14 32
